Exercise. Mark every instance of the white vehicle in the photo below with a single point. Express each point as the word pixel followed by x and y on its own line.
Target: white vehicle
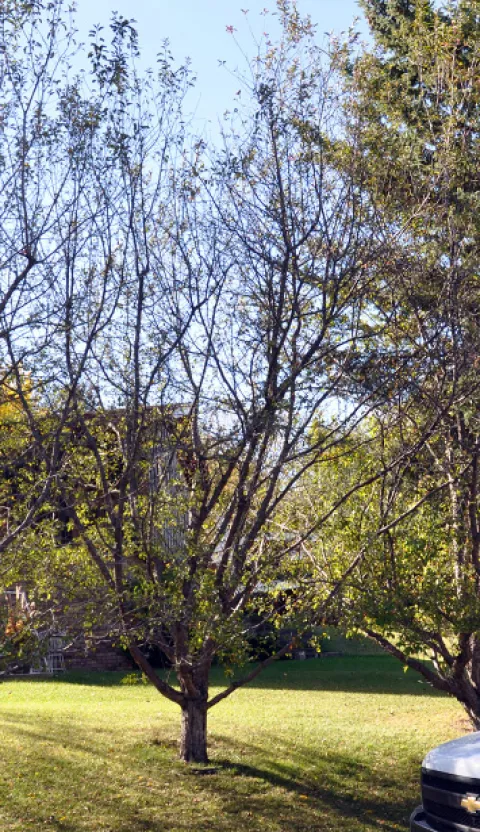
pixel 450 788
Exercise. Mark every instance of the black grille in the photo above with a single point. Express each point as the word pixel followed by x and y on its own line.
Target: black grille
pixel 451 814
pixel 444 826
pixel 452 784
pixel 442 796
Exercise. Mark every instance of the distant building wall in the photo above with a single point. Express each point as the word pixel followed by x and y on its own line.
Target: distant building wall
pixel 100 656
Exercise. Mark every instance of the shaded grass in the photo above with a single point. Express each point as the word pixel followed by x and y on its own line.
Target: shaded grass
pixel 315 745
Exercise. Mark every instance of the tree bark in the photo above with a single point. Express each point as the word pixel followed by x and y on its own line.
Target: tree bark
pixel 475 669
pixel 468 682
pixel 470 699
pixel 193 742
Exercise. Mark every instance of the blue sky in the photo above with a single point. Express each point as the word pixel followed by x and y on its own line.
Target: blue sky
pixel 197 29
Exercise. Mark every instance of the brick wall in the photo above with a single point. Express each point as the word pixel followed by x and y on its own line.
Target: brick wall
pixel 103 655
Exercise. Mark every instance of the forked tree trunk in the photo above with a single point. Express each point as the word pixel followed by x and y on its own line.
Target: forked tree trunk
pixel 193 742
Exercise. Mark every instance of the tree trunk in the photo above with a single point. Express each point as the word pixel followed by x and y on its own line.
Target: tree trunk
pixel 475 666
pixel 471 703
pixel 469 684
pixel 193 742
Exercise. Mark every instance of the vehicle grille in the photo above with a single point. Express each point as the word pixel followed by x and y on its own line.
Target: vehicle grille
pixel 441 798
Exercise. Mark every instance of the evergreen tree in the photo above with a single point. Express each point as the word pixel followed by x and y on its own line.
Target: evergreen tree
pixel 415 104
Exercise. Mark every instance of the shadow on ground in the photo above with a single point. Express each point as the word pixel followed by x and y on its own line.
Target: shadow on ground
pixel 348 674
pixel 331 786
pixel 144 789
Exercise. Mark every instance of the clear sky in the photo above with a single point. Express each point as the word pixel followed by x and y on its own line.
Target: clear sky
pixel 197 29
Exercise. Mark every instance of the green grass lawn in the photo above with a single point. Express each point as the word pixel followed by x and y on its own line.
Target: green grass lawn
pixel 329 744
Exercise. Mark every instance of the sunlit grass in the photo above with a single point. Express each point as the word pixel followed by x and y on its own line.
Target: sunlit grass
pixel 329 744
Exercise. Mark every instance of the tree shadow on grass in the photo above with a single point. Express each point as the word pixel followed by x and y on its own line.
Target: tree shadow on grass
pixel 347 674
pixel 307 802
pixel 294 789
pixel 73 777
pixel 341 790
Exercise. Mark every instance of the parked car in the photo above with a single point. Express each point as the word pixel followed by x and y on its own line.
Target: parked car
pixel 450 788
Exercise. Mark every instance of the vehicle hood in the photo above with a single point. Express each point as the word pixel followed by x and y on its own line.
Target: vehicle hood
pixel 460 757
